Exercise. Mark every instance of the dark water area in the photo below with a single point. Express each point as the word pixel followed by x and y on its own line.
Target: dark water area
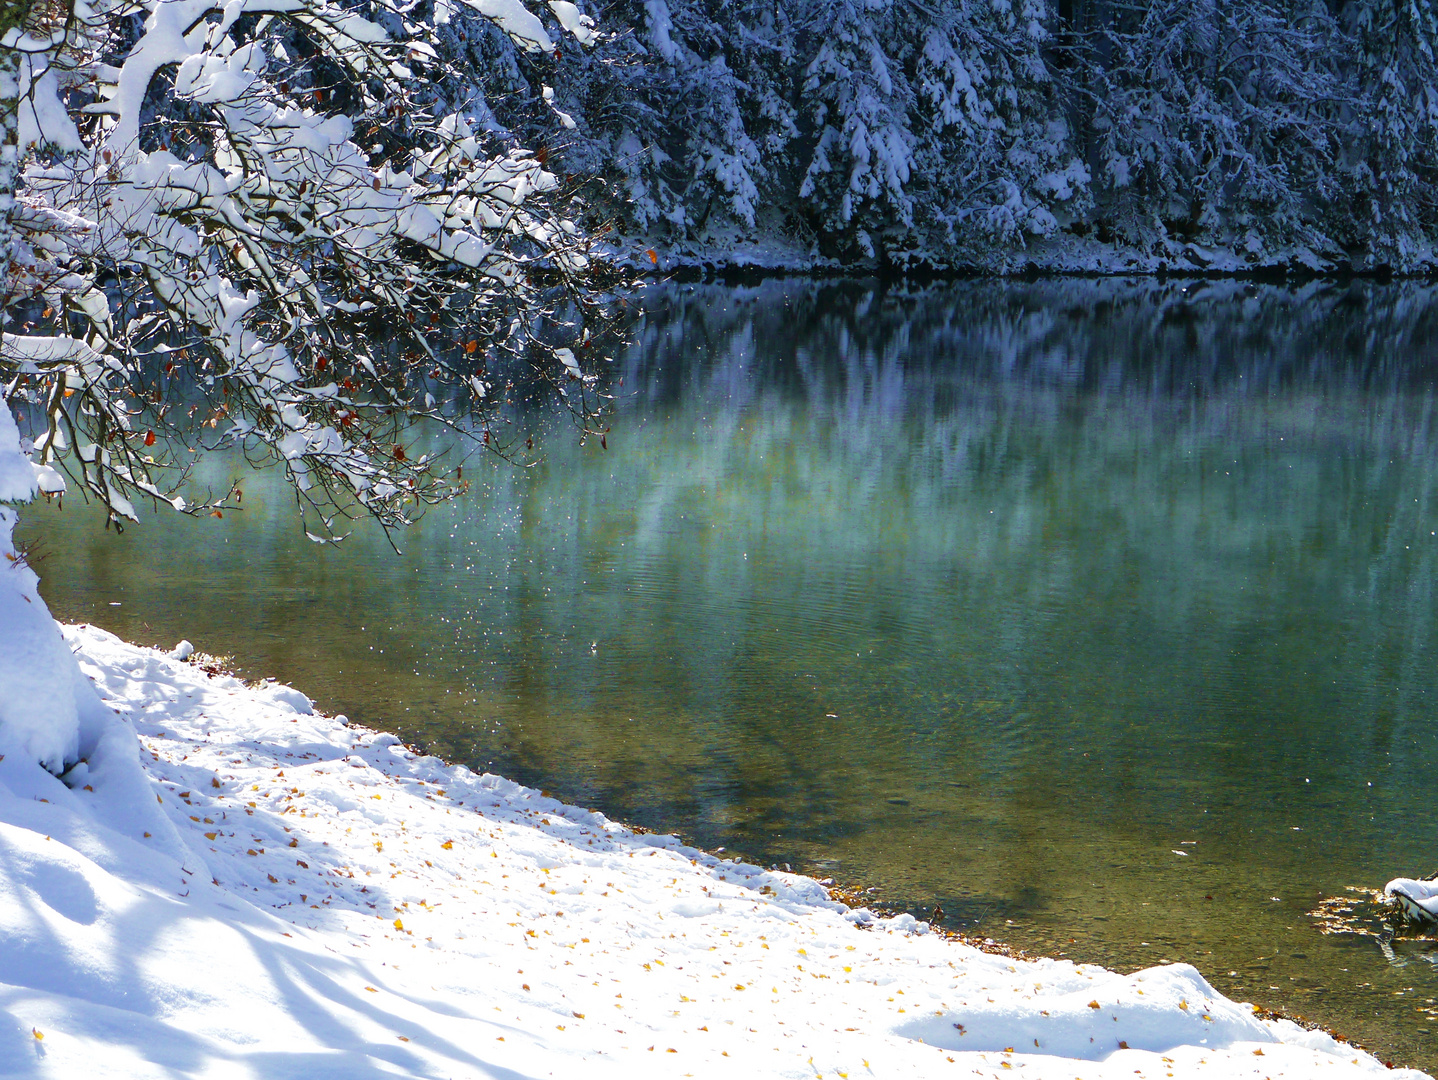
pixel 1101 614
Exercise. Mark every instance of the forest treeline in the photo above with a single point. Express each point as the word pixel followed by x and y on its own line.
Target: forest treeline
pixel 987 133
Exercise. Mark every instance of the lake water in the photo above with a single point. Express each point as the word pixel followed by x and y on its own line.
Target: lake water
pixel 1101 614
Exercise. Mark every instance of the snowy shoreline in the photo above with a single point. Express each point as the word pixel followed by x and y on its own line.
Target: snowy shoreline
pixel 290 895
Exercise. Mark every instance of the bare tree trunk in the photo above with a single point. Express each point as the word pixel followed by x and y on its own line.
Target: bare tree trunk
pixel 12 17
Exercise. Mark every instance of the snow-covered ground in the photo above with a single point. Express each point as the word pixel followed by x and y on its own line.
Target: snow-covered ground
pixel 269 892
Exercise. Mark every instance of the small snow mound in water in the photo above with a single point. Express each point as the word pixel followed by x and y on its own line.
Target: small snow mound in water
pixel 183 651
pixel 1417 899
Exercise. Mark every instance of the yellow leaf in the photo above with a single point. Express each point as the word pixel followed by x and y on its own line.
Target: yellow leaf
pixel 447 845
pixel 37 1033
pixel 371 989
pixel 210 835
pixel 398 925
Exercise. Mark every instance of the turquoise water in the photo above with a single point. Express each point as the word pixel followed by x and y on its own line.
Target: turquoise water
pixel 1100 614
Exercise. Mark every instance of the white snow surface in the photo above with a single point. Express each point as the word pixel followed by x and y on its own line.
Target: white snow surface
pixel 48 712
pixel 263 891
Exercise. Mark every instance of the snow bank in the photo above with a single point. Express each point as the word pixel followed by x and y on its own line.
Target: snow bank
pixel 307 898
pixel 48 712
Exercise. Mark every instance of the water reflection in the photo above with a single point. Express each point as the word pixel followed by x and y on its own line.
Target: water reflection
pixel 1098 612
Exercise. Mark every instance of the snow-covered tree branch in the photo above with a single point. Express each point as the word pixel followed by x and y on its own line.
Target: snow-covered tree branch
pixel 262 222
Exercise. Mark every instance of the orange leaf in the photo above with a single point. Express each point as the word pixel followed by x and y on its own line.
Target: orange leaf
pixel 470 346
pixel 447 845
pixel 216 513
pixel 653 256
pixel 149 438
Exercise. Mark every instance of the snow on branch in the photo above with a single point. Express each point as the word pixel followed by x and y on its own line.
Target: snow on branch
pixel 256 222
